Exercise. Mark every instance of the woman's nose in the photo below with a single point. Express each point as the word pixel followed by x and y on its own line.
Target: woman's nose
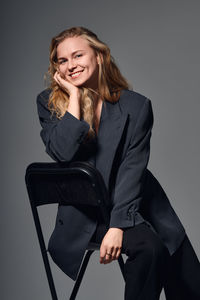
pixel 71 64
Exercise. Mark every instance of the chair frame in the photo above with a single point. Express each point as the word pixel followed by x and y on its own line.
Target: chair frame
pixel 53 170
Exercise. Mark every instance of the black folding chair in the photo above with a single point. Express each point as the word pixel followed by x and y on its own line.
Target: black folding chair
pixel 76 183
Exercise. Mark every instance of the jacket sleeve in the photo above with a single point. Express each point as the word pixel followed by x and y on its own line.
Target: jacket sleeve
pixel 131 173
pixel 62 138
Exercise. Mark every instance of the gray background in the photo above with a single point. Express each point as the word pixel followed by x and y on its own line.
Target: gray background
pixel 156 44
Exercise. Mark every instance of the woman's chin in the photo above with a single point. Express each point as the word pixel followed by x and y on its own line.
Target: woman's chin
pixel 77 83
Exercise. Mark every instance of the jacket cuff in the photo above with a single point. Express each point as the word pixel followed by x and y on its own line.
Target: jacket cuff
pixel 125 218
pixel 81 127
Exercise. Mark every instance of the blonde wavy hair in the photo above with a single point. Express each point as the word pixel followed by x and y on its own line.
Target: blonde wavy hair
pixel 110 79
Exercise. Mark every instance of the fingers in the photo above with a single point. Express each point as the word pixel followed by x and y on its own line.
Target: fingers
pixel 65 84
pixel 115 253
pixel 118 253
pixel 58 78
pixel 108 255
pixel 102 254
pixel 108 258
pixel 111 245
pixel 105 253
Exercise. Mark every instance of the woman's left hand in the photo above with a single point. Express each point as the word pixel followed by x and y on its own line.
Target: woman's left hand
pixel 111 245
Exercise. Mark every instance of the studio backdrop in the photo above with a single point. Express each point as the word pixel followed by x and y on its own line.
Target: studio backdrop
pixel 156 45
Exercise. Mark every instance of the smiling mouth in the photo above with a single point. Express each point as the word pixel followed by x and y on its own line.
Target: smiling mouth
pixel 75 75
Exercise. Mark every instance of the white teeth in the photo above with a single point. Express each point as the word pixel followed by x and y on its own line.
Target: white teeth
pixel 75 74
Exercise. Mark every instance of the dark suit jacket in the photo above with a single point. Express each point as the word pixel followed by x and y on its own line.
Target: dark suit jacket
pixel 122 151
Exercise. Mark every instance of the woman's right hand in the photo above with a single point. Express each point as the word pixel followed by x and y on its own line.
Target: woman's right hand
pixel 66 85
pixel 74 95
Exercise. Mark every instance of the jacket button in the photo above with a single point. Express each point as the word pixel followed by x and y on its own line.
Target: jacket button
pixel 60 222
pixel 129 215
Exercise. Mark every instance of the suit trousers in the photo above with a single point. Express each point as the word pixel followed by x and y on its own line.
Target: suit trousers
pixel 149 266
pixel 183 274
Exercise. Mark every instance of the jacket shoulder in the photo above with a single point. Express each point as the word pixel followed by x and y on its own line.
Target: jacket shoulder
pixel 131 99
pixel 43 97
pixel 42 104
pixel 132 103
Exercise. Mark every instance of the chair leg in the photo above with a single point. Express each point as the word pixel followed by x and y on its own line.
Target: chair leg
pixel 80 275
pixel 44 253
pixel 121 265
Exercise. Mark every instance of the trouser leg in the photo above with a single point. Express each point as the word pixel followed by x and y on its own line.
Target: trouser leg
pixel 146 263
pixel 145 267
pixel 183 275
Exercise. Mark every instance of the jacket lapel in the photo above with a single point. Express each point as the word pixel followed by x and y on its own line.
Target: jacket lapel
pixel 111 127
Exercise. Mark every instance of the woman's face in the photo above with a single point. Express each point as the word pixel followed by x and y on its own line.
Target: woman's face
pixel 78 63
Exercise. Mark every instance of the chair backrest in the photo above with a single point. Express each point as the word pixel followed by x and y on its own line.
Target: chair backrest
pixel 77 183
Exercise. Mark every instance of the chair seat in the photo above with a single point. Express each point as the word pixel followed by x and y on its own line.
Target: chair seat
pixel 93 246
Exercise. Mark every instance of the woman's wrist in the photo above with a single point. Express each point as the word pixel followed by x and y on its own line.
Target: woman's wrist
pixel 117 229
pixel 74 104
pixel 75 95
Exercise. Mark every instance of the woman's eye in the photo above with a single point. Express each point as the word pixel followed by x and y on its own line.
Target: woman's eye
pixel 61 62
pixel 78 55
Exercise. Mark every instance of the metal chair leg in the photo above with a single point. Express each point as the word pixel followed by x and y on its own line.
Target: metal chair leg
pixel 80 275
pixel 44 254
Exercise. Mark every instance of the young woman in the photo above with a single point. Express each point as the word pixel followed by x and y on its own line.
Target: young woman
pixel 90 114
